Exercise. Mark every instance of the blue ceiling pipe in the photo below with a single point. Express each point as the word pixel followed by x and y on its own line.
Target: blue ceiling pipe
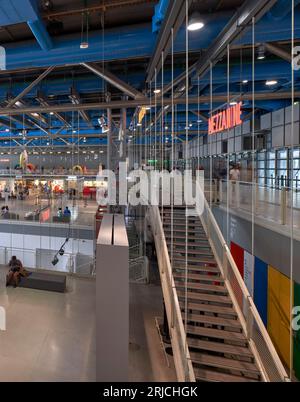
pixel 159 16
pixel 133 41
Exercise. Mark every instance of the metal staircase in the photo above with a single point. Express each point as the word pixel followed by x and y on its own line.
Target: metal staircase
pixel 216 332
pixel 219 349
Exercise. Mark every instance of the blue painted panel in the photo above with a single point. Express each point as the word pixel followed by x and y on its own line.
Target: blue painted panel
pixel 261 289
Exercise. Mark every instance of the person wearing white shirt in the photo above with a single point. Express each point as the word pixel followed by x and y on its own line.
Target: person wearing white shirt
pixel 234 177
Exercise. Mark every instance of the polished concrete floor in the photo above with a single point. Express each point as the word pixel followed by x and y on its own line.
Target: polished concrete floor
pixel 81 214
pixel 51 336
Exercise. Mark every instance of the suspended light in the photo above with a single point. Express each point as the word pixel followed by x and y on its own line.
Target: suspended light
pixel 157 91
pixel 85 40
pixel 270 83
pixel 195 22
pixel 261 53
pixel 245 81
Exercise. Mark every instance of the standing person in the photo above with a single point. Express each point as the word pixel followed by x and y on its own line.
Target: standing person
pixel 67 212
pixel 6 195
pixel 234 177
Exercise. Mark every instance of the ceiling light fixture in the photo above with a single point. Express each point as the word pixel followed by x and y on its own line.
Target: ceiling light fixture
pixel 245 81
pixel 195 22
pixel 261 53
pixel 270 83
pixel 85 36
pixel 157 91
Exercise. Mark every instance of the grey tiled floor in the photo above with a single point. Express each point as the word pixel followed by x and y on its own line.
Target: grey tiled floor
pixel 51 336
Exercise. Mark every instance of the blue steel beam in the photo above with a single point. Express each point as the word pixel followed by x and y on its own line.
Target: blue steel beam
pixel 134 41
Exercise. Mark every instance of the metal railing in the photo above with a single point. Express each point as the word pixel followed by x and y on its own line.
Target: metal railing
pixel 260 342
pixel 182 360
pixel 139 270
pixel 270 203
pixel 40 260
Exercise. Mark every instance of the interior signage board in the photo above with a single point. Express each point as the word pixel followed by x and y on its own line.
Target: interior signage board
pixel 225 120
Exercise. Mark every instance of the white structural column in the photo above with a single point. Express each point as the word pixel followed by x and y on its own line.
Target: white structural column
pixel 112 298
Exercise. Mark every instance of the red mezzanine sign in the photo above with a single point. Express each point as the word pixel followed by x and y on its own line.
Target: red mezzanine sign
pixel 225 120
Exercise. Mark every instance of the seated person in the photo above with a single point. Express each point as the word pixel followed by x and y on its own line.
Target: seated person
pixel 16 271
pixel 67 212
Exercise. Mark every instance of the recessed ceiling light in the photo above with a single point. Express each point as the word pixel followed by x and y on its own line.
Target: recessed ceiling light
pixel 195 22
pixel 269 83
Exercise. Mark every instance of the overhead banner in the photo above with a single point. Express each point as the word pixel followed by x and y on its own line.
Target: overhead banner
pixel 226 119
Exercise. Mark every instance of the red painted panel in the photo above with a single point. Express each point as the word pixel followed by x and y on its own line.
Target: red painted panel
pixel 238 255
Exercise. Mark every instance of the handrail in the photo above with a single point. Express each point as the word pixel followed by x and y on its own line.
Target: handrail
pixel 182 360
pixel 247 297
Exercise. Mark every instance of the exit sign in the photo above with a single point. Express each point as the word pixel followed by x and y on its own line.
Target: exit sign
pixel 225 120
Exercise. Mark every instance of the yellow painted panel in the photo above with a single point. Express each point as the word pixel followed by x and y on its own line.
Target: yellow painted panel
pixel 279 312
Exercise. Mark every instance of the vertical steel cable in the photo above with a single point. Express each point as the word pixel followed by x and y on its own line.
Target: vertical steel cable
pixel 292 197
pixel 198 147
pixel 253 151
pixel 155 120
pixel 210 141
pixel 150 123
pixel 172 151
pixel 186 156
pixel 228 156
pixel 162 133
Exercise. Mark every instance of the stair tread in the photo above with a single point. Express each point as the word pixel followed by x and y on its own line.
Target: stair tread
pixel 224 363
pixel 214 376
pixel 215 333
pixel 197 240
pixel 168 229
pixel 197 268
pixel 189 224
pixel 198 277
pixel 208 308
pixel 190 244
pixel 193 259
pixel 190 251
pixel 208 319
pixel 201 286
pixel 220 347
pixel 205 297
